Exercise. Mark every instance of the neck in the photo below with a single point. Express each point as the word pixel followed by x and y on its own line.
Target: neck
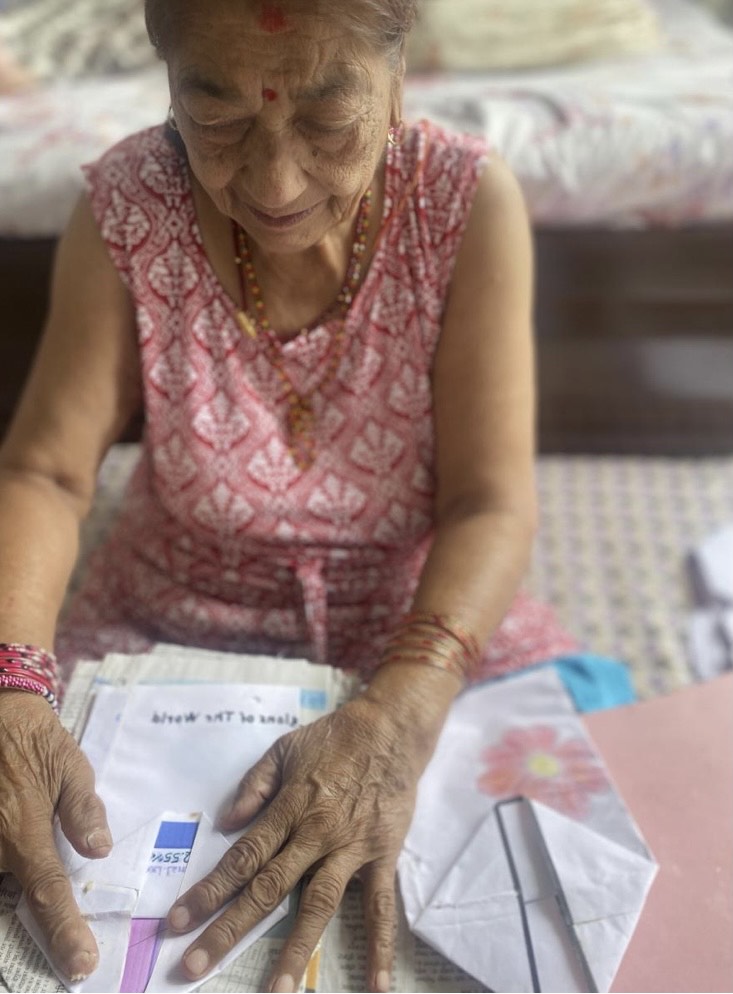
pixel 288 293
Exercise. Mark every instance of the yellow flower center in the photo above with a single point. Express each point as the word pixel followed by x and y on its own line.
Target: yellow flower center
pixel 543 765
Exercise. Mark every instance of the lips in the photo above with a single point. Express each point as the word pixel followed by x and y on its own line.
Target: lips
pixel 281 220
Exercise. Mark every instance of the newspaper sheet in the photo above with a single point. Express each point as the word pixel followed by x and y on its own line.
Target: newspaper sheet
pixel 340 963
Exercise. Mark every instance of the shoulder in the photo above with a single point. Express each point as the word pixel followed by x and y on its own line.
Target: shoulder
pixel 442 162
pixel 146 159
pixel 498 222
pixel 461 196
pixel 133 189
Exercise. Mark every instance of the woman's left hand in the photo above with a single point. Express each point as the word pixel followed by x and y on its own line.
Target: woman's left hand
pixel 336 797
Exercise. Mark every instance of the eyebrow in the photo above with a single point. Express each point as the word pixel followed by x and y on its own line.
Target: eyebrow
pixel 346 84
pixel 193 82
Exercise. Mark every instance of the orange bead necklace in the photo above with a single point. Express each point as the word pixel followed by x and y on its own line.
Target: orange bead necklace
pixel 300 418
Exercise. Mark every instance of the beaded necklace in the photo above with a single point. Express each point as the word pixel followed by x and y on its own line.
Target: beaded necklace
pixel 300 417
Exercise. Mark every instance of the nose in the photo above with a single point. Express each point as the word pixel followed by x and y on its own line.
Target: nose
pixel 273 177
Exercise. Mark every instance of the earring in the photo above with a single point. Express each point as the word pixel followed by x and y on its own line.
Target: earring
pixel 394 135
pixel 171 120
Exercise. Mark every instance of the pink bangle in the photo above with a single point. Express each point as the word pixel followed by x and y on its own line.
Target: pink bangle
pixel 29 668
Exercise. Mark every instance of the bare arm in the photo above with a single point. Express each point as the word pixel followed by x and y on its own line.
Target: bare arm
pixel 82 391
pixel 483 388
pixel 484 412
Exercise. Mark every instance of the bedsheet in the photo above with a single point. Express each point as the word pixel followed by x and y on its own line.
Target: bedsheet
pixel 610 555
pixel 631 142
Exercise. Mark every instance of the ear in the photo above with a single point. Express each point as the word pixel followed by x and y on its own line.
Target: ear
pixel 398 79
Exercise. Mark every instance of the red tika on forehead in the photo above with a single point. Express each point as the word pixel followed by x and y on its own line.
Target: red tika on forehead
pixel 272 19
pixel 269 95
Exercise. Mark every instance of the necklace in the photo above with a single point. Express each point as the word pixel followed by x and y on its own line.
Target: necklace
pixel 300 417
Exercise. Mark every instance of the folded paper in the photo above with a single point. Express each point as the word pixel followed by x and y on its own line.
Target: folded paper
pixel 542 893
pixel 537 902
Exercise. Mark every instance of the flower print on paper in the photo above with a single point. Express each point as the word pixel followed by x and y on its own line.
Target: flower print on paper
pixel 536 763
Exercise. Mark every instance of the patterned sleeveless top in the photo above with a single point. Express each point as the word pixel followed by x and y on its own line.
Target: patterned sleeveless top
pixel 223 540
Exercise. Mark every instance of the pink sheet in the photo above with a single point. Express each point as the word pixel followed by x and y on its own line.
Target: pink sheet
pixel 672 760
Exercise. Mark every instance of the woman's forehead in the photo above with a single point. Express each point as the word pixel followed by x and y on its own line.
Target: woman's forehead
pixel 213 56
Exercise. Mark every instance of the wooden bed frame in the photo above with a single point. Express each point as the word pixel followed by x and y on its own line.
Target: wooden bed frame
pixel 634 336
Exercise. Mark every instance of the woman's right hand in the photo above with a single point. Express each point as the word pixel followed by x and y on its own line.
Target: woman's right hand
pixel 43 771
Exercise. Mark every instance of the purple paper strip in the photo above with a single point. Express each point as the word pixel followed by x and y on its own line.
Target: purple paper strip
pixel 146 934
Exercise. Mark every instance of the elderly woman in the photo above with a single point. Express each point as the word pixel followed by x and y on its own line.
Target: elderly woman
pixel 325 317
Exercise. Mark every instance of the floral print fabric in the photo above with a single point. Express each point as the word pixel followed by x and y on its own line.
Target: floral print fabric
pixel 223 541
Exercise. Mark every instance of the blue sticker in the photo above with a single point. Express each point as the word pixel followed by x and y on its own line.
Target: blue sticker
pixel 313 700
pixel 176 834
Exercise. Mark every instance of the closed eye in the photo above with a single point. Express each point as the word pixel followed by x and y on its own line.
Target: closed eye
pixel 323 130
pixel 222 129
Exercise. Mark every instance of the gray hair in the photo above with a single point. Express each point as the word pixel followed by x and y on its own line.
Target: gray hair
pixel 384 24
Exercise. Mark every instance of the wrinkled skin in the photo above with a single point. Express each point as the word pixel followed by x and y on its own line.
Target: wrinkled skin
pixel 336 798
pixel 42 772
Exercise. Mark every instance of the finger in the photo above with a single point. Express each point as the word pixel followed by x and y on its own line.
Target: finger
pixel 237 867
pixel 263 894
pixel 69 939
pixel 318 904
pixel 258 786
pixel 81 812
pixel 380 917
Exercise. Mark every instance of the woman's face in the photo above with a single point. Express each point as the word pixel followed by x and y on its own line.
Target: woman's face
pixel 284 117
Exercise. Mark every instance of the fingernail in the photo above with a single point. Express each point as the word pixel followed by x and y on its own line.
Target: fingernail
pixel 383 982
pixel 179 918
pixel 99 839
pixel 284 985
pixel 197 961
pixel 229 814
pixel 81 965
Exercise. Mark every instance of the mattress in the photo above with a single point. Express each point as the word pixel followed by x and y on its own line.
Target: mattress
pixel 611 555
pixel 640 141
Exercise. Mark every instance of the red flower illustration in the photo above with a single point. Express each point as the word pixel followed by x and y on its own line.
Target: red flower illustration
pixel 535 763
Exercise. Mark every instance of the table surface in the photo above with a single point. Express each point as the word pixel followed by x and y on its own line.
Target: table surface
pixel 672 761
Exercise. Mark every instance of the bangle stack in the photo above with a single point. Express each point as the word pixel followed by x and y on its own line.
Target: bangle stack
pixel 434 640
pixel 26 667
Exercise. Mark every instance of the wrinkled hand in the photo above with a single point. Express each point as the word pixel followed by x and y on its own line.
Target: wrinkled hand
pixel 42 771
pixel 338 796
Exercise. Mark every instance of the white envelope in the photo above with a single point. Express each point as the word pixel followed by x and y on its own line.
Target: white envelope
pixel 537 902
pixel 502 739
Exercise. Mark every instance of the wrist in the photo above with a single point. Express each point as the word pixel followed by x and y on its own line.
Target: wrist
pixel 29 669
pixel 436 640
pixel 416 698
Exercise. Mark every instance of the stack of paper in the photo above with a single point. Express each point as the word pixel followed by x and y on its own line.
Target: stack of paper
pixel 710 625
pixel 169 747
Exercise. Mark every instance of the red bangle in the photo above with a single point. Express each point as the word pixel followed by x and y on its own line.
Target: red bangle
pixel 435 640
pixel 29 668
